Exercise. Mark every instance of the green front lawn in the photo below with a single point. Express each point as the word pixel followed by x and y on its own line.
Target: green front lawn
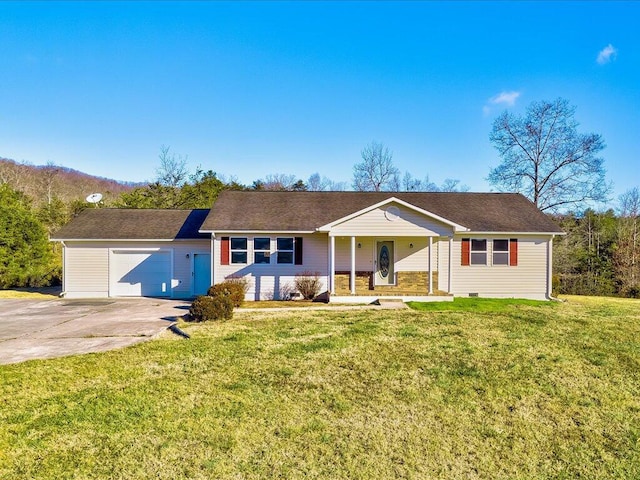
pixel 517 390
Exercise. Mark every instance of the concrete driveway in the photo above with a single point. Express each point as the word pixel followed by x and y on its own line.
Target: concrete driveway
pixel 36 329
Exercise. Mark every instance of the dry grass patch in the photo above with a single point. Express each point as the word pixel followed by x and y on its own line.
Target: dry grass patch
pixel 27 294
pixel 518 391
pixel 281 304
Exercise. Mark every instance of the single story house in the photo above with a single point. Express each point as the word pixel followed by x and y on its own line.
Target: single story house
pixel 362 246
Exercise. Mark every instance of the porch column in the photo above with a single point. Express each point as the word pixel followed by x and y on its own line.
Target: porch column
pixel 550 267
pixel 213 259
pixel 352 285
pixel 450 260
pixel 332 263
pixel 430 266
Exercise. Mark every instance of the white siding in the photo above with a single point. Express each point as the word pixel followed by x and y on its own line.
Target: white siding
pixel 364 255
pixel 87 265
pixel 409 223
pixel 407 259
pixel 443 264
pixel 267 281
pixel 183 266
pixel 526 280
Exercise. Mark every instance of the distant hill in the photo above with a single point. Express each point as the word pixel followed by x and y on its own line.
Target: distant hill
pixel 45 182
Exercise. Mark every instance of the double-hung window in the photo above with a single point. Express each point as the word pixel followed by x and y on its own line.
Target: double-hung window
pixel 262 250
pixel 501 252
pixel 238 250
pixel 478 252
pixel 284 247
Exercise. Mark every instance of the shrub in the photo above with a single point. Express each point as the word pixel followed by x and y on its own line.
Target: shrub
pixel 284 292
pixel 205 308
pixel 308 284
pixel 234 288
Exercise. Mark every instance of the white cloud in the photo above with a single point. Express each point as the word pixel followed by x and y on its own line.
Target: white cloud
pixel 505 98
pixel 606 54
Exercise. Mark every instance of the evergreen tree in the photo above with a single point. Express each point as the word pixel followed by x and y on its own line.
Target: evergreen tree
pixel 26 258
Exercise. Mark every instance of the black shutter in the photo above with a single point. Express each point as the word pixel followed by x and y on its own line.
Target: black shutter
pixel 298 251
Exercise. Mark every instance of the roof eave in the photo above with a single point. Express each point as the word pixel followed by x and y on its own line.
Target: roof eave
pixel 528 232
pixel 121 239
pixel 247 231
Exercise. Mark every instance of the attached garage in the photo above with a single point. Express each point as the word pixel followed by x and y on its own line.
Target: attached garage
pixel 135 253
pixel 134 273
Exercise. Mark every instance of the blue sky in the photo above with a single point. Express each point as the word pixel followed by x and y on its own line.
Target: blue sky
pixel 249 89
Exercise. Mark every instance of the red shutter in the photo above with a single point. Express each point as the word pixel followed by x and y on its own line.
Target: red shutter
pixel 298 250
pixel 224 251
pixel 466 252
pixel 513 252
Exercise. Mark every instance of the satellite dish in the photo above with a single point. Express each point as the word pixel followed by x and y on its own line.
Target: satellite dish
pixel 94 198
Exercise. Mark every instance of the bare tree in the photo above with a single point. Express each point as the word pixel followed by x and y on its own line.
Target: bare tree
pixel 376 172
pixel 50 172
pixel 279 182
pixel 315 183
pixel 410 183
pixel 547 159
pixel 172 171
pixel 453 185
pixel 626 256
pixel 338 186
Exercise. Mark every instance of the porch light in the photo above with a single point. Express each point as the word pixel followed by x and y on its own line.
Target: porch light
pixel 359 245
pixel 187 255
pixel 411 245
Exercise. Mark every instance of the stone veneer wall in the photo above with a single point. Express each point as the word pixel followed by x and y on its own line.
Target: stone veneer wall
pixel 409 283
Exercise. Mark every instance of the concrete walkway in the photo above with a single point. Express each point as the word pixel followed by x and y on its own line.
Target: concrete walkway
pixel 38 329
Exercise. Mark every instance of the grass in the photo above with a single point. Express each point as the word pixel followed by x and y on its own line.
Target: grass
pixel 477 304
pixel 513 391
pixel 28 293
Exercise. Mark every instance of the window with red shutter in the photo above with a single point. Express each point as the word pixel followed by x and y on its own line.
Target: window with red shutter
pixel 466 251
pixel 513 252
pixel 224 251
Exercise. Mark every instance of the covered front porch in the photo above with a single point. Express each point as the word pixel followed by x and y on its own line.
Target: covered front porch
pixel 391 249
pixel 387 267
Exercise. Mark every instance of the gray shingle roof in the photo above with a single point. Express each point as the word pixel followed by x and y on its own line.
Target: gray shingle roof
pixel 133 224
pixel 306 211
pixel 301 211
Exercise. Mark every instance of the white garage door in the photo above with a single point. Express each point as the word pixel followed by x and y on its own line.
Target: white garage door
pixel 140 273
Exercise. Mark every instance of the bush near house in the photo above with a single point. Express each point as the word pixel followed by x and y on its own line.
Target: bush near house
pixel 308 284
pixel 235 288
pixel 205 308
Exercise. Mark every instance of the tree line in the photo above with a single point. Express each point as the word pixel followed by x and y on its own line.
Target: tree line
pixel 543 156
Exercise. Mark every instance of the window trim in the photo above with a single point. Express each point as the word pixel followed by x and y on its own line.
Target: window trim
pixel 485 252
pixel 292 251
pixel 238 250
pixel 262 250
pixel 494 251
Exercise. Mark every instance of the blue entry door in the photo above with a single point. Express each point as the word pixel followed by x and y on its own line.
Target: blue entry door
pixel 201 273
